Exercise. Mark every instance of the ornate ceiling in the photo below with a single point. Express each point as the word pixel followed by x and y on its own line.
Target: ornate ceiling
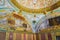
pixel 34 21
pixel 36 6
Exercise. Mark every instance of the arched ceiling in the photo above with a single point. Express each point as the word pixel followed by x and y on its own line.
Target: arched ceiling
pixel 36 6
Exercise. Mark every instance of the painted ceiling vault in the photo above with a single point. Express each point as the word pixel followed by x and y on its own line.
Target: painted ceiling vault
pixel 37 6
pixel 30 12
